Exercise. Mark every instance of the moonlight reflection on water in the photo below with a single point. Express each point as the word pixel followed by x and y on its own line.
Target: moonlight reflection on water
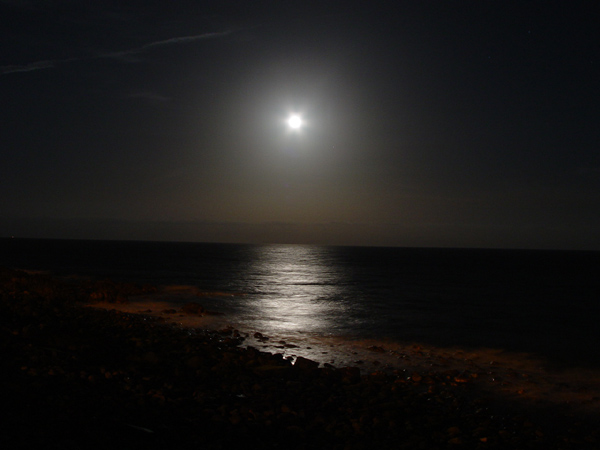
pixel 297 291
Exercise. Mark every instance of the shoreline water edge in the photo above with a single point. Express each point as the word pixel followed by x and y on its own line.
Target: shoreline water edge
pixel 519 375
pixel 100 363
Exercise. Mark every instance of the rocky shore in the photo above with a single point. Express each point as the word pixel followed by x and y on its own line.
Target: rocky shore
pixel 76 377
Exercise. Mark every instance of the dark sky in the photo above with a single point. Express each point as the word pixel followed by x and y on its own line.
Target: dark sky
pixel 465 124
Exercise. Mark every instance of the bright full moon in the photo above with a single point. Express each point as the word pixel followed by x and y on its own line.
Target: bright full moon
pixel 294 122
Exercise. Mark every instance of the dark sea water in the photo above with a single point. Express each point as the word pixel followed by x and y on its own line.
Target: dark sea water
pixel 546 303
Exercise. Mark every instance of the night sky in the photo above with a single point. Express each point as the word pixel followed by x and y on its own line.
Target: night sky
pixel 455 124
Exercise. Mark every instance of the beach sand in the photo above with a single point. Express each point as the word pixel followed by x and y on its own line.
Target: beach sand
pixel 140 373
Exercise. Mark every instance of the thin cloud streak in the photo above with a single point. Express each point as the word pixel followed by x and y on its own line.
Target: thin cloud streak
pixel 186 39
pixel 122 55
pixel 38 65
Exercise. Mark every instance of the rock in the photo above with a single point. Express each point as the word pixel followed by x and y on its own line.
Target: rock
pixel 453 431
pixel 151 357
pixel 305 363
pixel 192 308
pixel 377 349
pixel 350 374
pixel 261 337
pixel 194 362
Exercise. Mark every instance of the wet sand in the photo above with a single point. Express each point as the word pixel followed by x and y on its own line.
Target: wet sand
pixel 81 377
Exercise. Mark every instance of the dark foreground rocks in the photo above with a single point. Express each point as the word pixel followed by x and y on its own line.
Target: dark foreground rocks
pixel 75 377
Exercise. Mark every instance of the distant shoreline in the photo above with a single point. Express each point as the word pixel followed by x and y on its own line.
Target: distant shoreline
pixel 142 238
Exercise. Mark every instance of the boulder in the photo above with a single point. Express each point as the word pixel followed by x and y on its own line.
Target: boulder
pixel 305 363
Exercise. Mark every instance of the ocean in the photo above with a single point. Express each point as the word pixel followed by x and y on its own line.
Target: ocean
pixel 542 303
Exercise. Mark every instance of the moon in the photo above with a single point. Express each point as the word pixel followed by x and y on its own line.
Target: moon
pixel 295 122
